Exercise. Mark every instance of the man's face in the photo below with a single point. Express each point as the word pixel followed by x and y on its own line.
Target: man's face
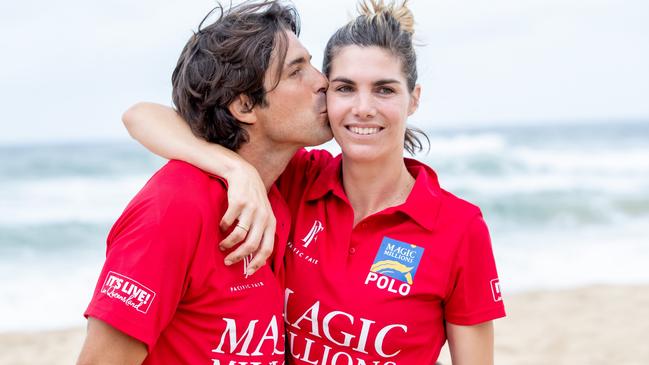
pixel 296 111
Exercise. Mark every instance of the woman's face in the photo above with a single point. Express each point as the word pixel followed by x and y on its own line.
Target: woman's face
pixel 368 103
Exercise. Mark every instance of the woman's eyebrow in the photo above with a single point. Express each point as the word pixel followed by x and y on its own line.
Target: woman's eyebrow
pixel 377 83
pixel 386 81
pixel 343 80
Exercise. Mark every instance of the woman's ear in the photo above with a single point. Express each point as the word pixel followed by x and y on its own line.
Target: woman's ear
pixel 414 99
pixel 241 109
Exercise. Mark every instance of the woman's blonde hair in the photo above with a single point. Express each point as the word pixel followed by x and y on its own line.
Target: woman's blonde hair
pixel 374 8
pixel 389 26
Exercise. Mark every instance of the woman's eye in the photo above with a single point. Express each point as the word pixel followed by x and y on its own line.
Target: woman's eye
pixel 386 91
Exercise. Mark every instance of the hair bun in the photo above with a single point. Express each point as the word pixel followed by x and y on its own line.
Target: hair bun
pixel 374 9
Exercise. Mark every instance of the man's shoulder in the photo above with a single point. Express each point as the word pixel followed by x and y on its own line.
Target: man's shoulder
pixel 183 175
pixel 178 196
pixel 178 176
pixel 179 184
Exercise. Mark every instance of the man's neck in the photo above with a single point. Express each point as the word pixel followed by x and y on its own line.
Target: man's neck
pixel 270 161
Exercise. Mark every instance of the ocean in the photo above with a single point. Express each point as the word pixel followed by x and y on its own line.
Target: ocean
pixel 567 206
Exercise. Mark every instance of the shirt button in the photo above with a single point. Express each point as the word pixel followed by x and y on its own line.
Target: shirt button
pixel 352 250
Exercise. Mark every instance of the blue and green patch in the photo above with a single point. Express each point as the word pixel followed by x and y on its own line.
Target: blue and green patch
pixel 398 260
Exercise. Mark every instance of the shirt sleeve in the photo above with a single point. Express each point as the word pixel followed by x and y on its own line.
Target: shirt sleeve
pixel 149 252
pixel 303 169
pixel 474 295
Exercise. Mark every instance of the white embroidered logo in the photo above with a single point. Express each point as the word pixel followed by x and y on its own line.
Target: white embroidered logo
pixel 246 263
pixel 128 291
pixel 495 290
pixel 313 233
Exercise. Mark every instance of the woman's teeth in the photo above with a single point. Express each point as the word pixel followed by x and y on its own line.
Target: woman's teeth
pixel 364 131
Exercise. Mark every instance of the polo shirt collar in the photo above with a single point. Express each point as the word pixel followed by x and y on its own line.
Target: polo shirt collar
pixel 422 205
pixel 424 200
pixel 329 181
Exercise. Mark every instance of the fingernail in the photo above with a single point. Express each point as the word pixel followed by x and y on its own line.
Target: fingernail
pixel 228 262
pixel 221 248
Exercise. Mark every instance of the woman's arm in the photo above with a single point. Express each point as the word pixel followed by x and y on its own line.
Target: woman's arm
pixel 471 345
pixel 162 131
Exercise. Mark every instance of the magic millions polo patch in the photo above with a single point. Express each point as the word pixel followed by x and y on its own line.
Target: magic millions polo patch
pixel 395 261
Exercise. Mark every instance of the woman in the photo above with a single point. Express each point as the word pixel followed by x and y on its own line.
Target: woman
pixel 383 265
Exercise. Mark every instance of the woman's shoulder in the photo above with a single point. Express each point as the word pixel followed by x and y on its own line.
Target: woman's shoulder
pixel 460 207
pixel 453 206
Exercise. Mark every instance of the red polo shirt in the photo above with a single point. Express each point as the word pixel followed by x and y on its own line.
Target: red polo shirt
pixel 381 292
pixel 164 281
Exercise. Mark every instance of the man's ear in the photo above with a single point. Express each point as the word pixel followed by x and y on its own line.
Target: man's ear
pixel 241 109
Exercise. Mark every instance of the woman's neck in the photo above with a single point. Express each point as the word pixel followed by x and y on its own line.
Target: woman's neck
pixel 373 187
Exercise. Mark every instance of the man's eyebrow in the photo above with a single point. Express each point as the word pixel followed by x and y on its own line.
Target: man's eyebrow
pixel 298 60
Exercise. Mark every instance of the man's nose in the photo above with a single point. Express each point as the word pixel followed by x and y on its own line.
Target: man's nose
pixel 322 84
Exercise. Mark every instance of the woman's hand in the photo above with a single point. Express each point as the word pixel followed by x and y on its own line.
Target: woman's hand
pixel 249 207
pixel 162 131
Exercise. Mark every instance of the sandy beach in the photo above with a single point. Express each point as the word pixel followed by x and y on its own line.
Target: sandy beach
pixel 598 325
pixel 590 326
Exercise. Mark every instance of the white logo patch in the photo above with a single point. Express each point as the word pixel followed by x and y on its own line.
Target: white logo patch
pixel 495 290
pixel 313 233
pixel 128 291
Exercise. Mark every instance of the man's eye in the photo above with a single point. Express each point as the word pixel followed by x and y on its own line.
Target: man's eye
pixel 344 89
pixel 295 72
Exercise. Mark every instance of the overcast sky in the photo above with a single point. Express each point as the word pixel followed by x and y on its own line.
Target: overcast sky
pixel 70 68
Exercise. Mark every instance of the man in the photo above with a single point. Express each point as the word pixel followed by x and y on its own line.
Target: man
pixel 164 295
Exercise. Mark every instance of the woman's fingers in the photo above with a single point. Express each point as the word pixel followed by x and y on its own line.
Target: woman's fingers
pixel 252 216
pixel 265 249
pixel 247 247
pixel 244 225
pixel 235 210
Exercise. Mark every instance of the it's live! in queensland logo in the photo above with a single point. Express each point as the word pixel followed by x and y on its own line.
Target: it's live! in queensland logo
pixel 395 266
pixel 128 291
